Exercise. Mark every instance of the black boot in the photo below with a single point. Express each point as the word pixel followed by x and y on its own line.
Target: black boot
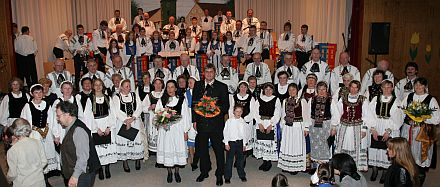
pixel 107 171
pixel 170 177
pixel 100 173
pixel 422 175
pixel 125 166
pixel 374 174
pixel 138 164
pixel 177 177
pixel 263 165
pixel 382 178
pixel 46 179
pixel 268 166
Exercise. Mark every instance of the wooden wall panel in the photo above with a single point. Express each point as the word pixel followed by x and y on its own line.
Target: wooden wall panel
pixel 406 17
pixel 6 46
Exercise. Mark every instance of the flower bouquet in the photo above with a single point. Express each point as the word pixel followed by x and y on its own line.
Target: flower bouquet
pixel 207 107
pixel 418 112
pixel 165 118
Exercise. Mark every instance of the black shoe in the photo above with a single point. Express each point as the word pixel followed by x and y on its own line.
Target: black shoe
pixel 293 173
pixel 194 167
pixel 382 178
pixel 170 178
pixel 157 165
pixel 374 174
pixel 177 177
pixel 243 179
pixel 262 166
pixel 227 181
pixel 268 166
pixel 100 174
pixel 107 172
pixel 138 164
pixel 201 177
pixel 126 167
pixel 219 181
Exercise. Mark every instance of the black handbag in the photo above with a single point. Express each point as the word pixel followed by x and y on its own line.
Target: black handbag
pixel 379 144
pixel 264 136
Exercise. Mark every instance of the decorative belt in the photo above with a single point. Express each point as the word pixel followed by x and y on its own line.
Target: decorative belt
pixel 266 117
pixel 43 131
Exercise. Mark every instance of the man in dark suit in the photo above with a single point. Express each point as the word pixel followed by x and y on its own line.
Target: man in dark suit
pixel 210 128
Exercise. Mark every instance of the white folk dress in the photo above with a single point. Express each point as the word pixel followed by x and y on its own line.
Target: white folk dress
pixel 126 106
pixel 102 117
pixel 407 130
pixel 53 159
pixel 267 149
pixel 171 145
pixel 349 116
pixel 385 115
pixel 293 142
pixel 152 98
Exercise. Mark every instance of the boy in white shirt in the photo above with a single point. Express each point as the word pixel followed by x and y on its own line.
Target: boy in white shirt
pixel 235 144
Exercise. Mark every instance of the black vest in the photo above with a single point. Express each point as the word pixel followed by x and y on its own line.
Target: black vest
pixel 16 105
pixel 143 94
pixel 83 99
pixel 101 110
pixel 326 105
pixel 125 106
pixel 279 95
pixel 153 100
pixel 267 108
pixel 178 107
pixel 39 118
pixel 68 151
pixel 245 103
pixel 383 109
pixel 50 99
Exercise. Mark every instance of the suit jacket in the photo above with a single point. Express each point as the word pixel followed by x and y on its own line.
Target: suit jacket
pixel 220 91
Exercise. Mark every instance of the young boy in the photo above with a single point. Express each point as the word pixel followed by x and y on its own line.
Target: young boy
pixel 234 139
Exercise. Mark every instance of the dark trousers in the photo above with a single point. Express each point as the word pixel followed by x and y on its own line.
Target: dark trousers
pixel 101 62
pixel 59 53
pixel 86 179
pixel 265 54
pixel 236 150
pixel 202 150
pixel 302 58
pixel 27 69
pixel 80 66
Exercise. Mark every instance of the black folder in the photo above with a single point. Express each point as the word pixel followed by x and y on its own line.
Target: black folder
pixel 129 134
pixel 264 136
pixel 379 144
pixel 99 140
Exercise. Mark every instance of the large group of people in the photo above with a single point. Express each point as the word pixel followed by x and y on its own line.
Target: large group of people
pixel 300 117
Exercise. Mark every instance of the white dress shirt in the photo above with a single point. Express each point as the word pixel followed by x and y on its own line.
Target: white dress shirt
pixel 173 28
pixel 306 44
pixel 125 73
pixel 208 25
pixel 76 47
pixel 251 47
pixel 53 76
pixel 62 42
pixel 168 46
pixel 400 90
pixel 192 70
pixel 367 80
pixel 144 46
pixel 294 78
pixel 336 76
pixel 323 74
pixel 266 38
pixel 99 40
pixel 166 72
pixel 286 45
pixel 234 130
pixel 248 22
pixel 196 31
pixel 231 81
pixel 149 27
pixel 25 45
pixel 227 26
pixel 251 69
pixel 112 24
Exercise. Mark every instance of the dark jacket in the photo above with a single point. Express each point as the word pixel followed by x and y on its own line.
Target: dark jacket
pixel 220 91
pixel 397 176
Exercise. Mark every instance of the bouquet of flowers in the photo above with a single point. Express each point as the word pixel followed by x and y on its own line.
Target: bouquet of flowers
pixel 207 107
pixel 418 112
pixel 165 118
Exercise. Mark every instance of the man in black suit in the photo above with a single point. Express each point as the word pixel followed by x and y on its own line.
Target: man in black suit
pixel 210 128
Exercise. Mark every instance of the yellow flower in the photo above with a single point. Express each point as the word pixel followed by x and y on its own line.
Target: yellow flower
pixel 415 38
pixel 428 48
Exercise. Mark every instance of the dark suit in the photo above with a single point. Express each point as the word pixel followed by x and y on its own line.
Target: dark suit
pixel 211 128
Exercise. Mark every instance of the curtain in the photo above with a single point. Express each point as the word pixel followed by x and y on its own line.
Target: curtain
pixel 49 18
pixel 327 19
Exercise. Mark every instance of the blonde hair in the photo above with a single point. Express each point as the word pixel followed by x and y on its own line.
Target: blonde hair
pixel 404 157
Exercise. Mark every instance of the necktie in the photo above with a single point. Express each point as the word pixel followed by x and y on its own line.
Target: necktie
pixel 258 72
pixel 94 77
pixel 141 18
pixel 237 34
pixel 220 19
pixel 251 42
pixel 206 19
pixel 118 21
pixel 194 29
pixel 315 68
pixel 286 37
pixel 143 43
pixel 81 39
pixel 119 72
pixel 225 72
pixel 228 22
pixel 249 21
pixel 408 85
pixel 303 38
pixel 186 72
pixel 147 24
pixel 60 79
pixel 172 45
pixel 208 89
pixel 261 35
pixel 102 34
pixel 289 71
pixel 159 73
pixel 344 71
